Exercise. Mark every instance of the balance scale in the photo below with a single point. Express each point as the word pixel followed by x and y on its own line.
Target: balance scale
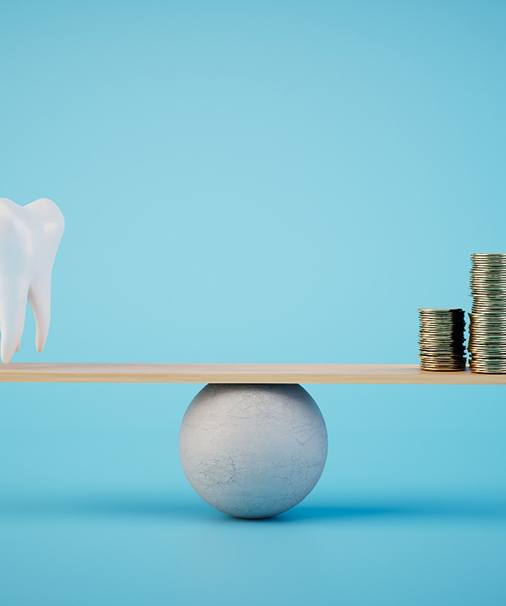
pixel 253 442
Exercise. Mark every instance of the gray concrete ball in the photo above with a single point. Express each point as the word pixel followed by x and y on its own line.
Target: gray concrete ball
pixel 253 451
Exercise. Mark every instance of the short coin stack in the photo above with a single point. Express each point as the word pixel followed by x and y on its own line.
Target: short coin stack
pixel 487 334
pixel 442 339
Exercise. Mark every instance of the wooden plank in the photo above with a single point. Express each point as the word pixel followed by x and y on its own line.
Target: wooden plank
pixel 376 374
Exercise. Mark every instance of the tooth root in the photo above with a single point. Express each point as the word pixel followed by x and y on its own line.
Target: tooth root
pixel 40 297
pixel 12 321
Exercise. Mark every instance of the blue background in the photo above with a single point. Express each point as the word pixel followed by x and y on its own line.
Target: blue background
pixel 254 181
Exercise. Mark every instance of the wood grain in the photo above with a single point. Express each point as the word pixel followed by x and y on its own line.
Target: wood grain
pixel 375 374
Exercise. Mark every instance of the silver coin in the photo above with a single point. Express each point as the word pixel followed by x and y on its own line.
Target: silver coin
pixel 434 353
pixel 440 343
pixel 477 333
pixel 442 328
pixel 426 311
pixel 462 366
pixel 447 342
pixel 446 331
pixel 490 296
pixel 439 361
pixel 488 363
pixel 443 368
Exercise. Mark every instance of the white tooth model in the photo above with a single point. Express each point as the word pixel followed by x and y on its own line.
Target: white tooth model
pixel 29 240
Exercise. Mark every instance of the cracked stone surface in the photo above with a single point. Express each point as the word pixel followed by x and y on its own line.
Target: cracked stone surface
pixel 253 451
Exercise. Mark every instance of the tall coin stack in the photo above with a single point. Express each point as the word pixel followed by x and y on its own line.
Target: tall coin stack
pixel 487 334
pixel 442 339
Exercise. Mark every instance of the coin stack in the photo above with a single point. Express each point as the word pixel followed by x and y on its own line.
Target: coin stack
pixel 487 334
pixel 442 339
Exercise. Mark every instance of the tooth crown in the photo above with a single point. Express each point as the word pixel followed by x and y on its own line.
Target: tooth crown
pixel 29 239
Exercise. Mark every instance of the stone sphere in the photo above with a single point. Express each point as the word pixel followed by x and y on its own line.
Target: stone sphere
pixel 253 451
